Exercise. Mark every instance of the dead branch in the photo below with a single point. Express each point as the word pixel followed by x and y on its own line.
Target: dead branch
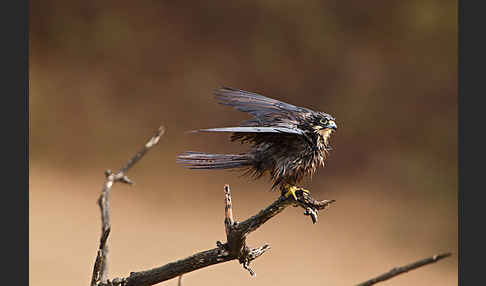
pixel 100 269
pixel 234 249
pixel 400 270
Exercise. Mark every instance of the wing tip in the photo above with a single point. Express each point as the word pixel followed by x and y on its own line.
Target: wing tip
pixel 223 89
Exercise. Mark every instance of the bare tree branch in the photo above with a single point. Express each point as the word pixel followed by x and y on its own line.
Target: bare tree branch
pixel 234 248
pixel 99 258
pixel 228 214
pixel 400 270
pixel 100 269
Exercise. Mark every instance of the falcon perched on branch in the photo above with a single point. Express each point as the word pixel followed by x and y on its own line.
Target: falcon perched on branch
pixel 288 142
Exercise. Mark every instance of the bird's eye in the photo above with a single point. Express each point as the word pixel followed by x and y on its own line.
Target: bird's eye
pixel 323 121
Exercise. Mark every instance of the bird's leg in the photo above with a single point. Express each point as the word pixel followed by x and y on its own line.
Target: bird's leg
pixel 291 190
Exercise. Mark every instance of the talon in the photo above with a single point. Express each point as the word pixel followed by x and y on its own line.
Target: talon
pixel 291 190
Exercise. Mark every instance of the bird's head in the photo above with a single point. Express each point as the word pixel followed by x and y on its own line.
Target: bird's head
pixel 324 124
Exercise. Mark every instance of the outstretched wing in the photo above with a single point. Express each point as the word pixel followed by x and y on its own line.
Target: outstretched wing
pixel 266 111
pixel 250 129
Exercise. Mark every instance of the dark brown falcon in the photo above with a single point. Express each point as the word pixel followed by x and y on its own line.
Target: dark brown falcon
pixel 288 142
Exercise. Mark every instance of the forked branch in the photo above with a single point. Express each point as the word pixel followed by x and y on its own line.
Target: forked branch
pixel 234 249
pixel 100 269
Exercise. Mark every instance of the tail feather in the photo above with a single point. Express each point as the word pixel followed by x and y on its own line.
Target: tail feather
pixel 197 160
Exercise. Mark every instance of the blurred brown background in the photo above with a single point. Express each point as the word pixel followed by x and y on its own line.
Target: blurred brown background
pixel 105 74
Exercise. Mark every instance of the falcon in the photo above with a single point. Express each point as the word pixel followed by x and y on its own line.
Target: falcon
pixel 287 142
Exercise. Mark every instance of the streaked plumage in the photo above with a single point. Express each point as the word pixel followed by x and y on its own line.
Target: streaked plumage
pixel 287 141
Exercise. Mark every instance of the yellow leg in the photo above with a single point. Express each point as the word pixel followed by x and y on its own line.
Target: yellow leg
pixel 292 189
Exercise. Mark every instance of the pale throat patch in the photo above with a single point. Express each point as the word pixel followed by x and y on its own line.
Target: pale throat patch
pixel 326 133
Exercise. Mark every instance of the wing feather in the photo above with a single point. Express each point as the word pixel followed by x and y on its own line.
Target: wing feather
pixel 261 107
pixel 243 129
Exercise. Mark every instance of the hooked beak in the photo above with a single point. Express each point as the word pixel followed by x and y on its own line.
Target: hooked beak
pixel 332 125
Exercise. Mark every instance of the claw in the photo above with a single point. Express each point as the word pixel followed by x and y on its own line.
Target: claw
pixel 291 190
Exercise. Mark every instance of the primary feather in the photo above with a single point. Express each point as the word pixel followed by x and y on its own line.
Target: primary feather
pixel 249 129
